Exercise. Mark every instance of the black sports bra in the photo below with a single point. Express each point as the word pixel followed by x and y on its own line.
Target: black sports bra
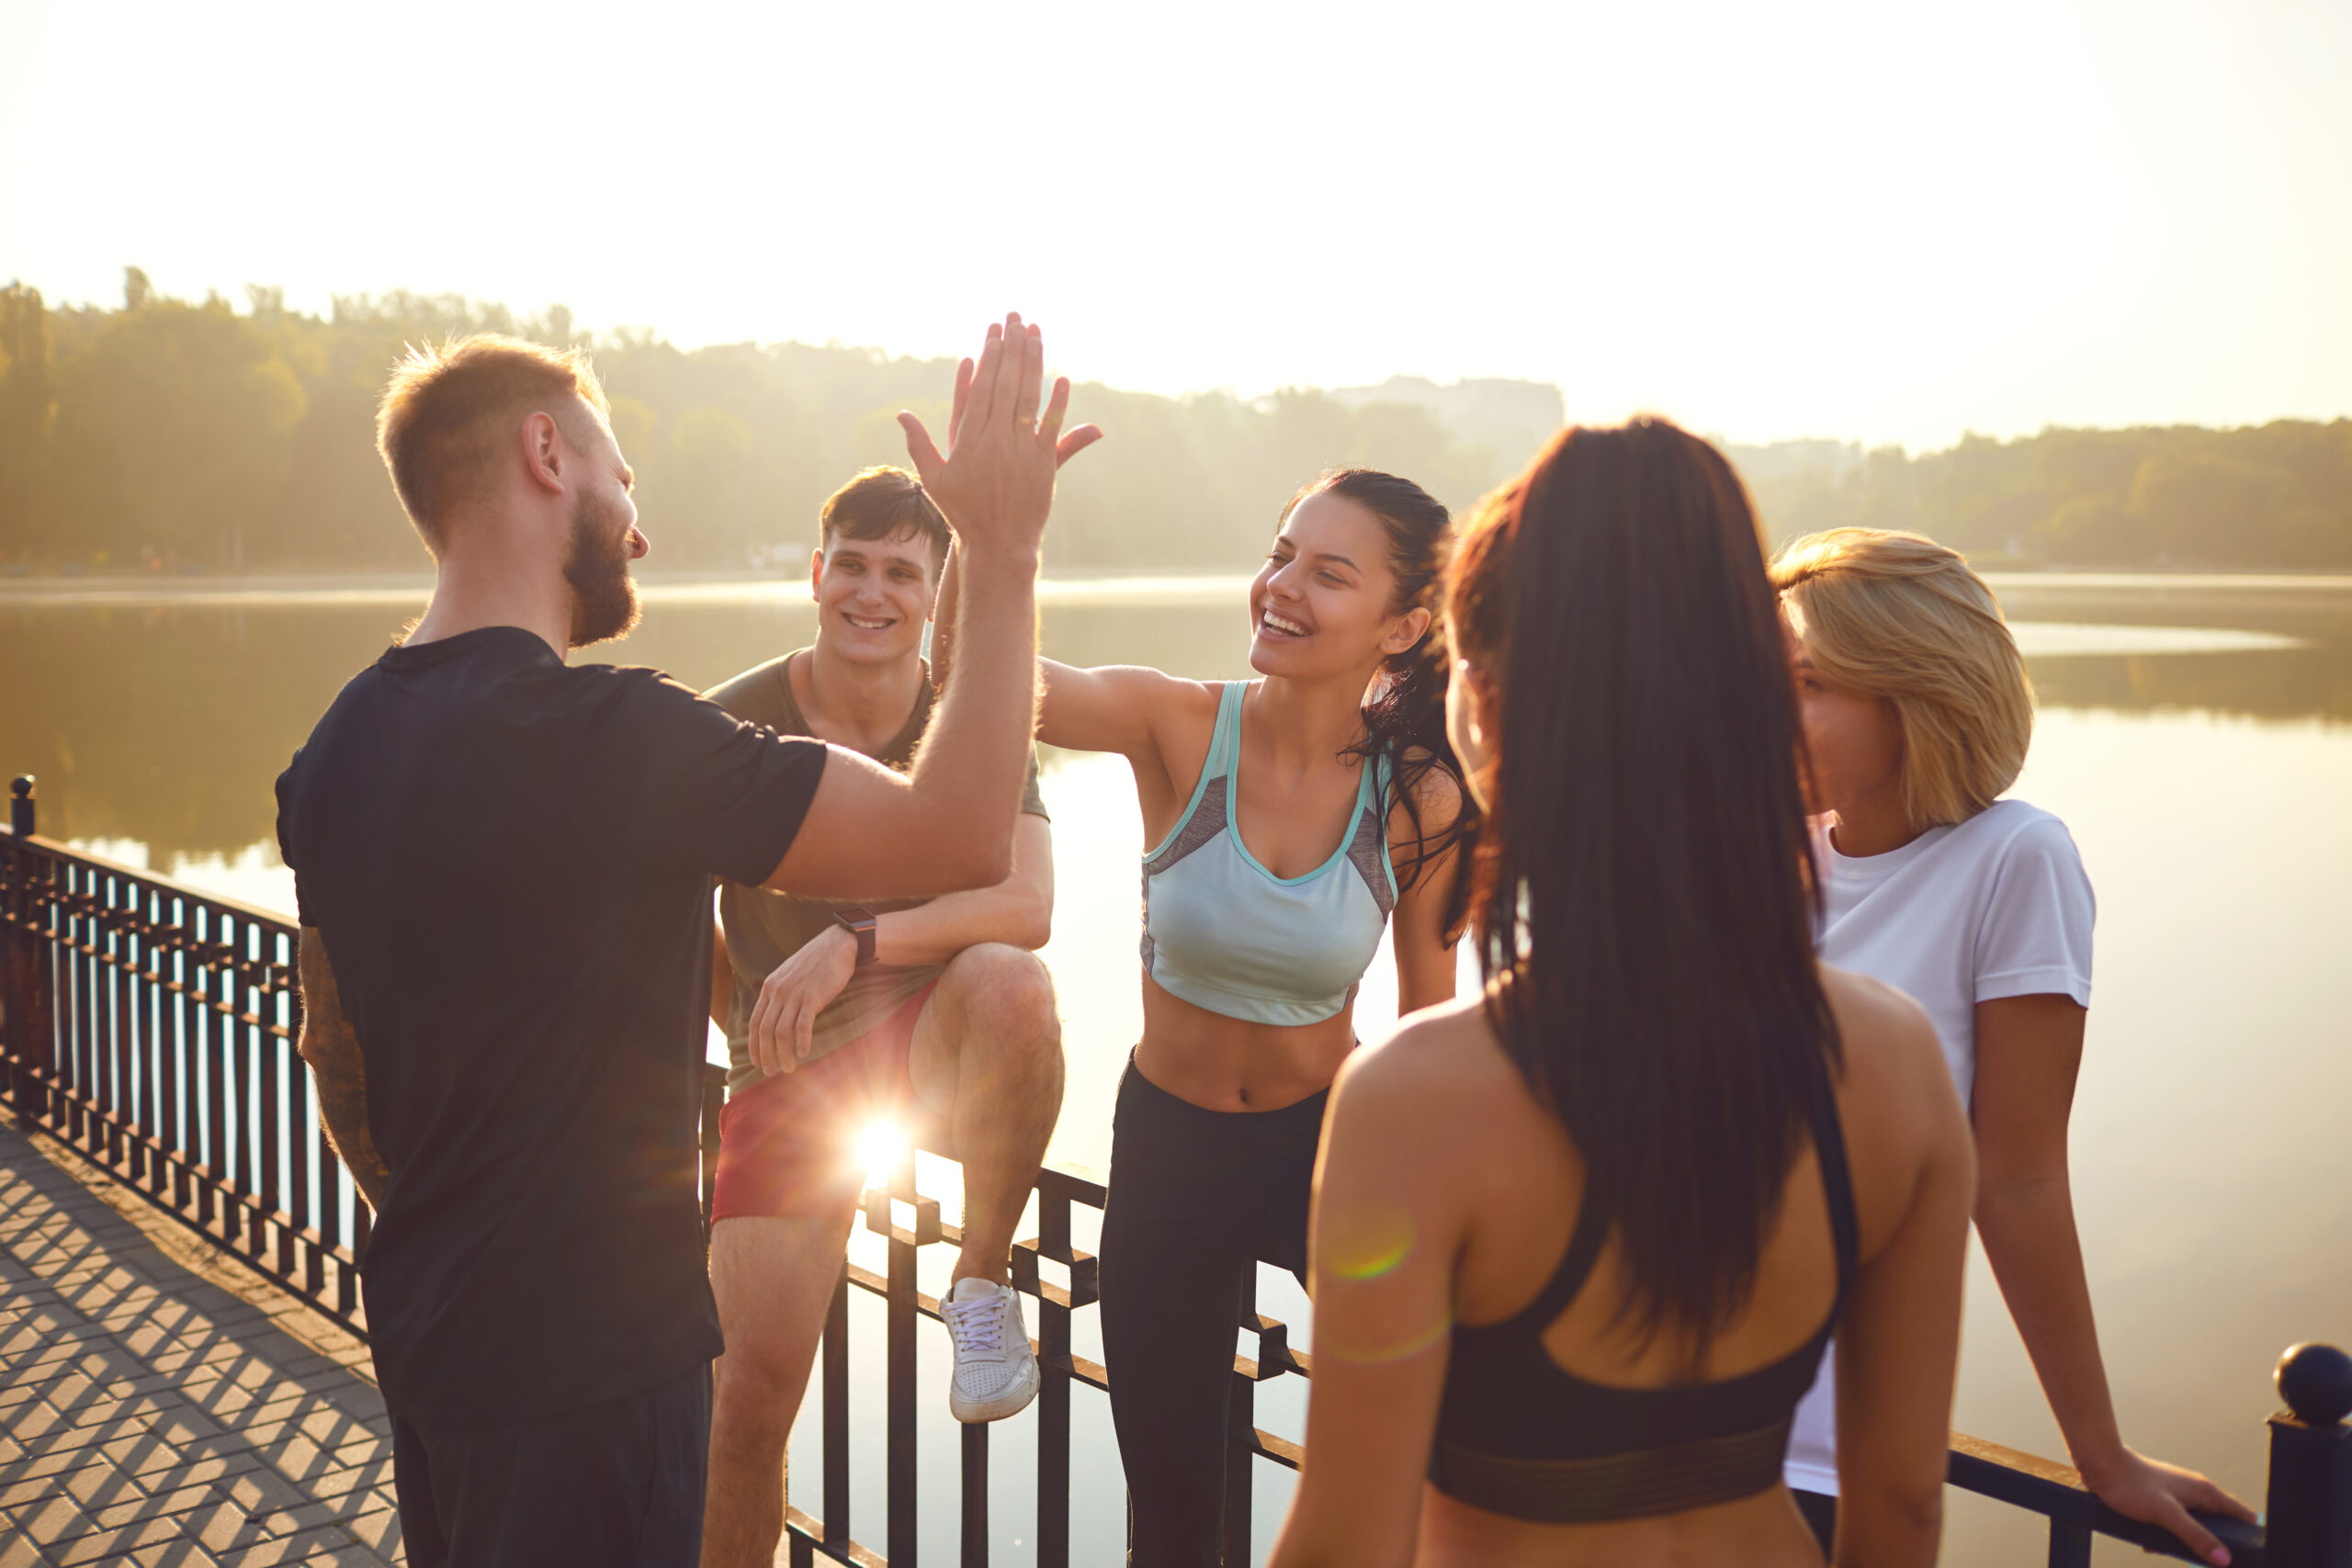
pixel 1519 1437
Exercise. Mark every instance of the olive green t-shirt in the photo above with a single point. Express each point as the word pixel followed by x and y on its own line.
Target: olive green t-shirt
pixel 764 929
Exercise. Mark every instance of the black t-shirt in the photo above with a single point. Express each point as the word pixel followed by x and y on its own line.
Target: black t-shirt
pixel 510 863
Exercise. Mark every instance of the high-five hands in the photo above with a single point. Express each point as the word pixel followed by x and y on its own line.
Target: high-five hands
pixel 996 482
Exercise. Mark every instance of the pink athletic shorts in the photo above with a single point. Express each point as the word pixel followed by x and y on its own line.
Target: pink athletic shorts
pixel 788 1144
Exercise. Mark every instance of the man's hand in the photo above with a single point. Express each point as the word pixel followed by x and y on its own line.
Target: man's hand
pixel 996 482
pixel 783 1022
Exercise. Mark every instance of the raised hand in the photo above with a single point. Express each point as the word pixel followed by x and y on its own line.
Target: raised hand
pixel 995 482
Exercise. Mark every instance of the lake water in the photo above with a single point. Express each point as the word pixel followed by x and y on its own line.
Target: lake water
pixel 2196 735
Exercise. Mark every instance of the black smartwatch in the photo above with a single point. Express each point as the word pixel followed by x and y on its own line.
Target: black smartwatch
pixel 859 924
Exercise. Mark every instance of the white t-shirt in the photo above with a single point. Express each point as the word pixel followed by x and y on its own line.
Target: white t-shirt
pixel 1998 906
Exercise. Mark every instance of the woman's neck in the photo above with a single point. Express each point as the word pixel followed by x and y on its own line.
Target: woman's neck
pixel 1307 722
pixel 1875 826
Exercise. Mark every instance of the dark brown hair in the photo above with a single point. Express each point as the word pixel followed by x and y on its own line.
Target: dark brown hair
pixel 1404 723
pixel 1643 901
pixel 447 411
pixel 884 502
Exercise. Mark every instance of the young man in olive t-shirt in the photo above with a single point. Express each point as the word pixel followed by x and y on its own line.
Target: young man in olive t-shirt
pixel 934 1016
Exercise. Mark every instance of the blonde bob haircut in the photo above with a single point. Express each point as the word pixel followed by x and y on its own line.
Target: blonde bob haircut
pixel 447 411
pixel 1900 617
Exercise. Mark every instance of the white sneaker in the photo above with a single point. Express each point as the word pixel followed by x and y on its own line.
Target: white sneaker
pixel 996 1374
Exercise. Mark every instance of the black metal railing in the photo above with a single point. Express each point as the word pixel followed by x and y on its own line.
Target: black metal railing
pixel 151 1027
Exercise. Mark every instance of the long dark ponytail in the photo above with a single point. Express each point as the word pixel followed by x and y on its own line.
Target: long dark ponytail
pixel 1405 719
pixel 1644 897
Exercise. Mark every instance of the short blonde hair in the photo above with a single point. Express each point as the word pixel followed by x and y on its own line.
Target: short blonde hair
pixel 439 425
pixel 1901 618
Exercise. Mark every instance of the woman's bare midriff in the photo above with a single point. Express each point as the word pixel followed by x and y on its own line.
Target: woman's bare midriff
pixel 1229 1063
pixel 1762 1531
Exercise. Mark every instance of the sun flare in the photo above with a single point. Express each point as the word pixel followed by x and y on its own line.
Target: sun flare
pixel 880 1147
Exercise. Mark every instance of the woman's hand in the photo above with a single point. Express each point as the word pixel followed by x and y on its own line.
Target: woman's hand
pixel 2162 1494
pixel 784 1021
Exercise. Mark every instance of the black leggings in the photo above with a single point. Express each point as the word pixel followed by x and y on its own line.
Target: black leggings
pixel 1197 1198
pixel 1820 1511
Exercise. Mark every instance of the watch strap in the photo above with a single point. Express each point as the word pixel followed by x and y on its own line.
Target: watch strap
pixel 859 924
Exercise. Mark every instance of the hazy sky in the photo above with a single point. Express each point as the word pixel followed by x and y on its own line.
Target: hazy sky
pixel 1887 222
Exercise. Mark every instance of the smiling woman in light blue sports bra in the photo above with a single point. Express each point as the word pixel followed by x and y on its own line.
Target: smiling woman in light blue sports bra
pixel 1289 819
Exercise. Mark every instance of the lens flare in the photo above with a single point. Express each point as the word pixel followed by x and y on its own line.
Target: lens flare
pixel 1365 1242
pixel 880 1148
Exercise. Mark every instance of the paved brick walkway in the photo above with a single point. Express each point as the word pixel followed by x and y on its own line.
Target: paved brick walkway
pixel 160 1406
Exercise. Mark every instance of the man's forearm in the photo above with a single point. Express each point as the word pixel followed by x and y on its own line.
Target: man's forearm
pixel 974 757
pixel 935 932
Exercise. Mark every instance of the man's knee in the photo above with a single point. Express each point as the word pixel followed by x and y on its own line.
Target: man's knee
pixel 1006 994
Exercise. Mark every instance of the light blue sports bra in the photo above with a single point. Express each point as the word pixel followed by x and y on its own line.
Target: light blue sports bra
pixel 1224 934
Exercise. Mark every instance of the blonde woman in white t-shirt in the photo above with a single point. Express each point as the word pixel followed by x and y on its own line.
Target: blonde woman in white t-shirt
pixel 1916 716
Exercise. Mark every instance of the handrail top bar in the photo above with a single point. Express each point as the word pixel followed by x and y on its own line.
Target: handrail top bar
pixel 41 843
pixel 2056 1492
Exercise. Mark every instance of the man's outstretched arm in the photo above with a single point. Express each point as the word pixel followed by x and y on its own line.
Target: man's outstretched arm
pixel 333 1051
pixel 948 826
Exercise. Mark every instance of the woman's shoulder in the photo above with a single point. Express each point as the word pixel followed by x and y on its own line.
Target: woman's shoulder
pixel 2018 827
pixel 1892 1054
pixel 1436 790
pixel 1441 1068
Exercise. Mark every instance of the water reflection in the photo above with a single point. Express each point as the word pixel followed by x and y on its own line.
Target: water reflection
pixel 166 725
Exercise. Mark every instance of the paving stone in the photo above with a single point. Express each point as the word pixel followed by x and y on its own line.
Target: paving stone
pixel 144 1456
pixel 320 1549
pixel 100 1544
pixel 378 1530
pixel 88 1484
pixel 52 1521
pixel 37 1463
pixel 169 1468
pixel 261 1490
pixel 18 1549
pixel 343 1483
pixel 155 1412
pixel 180 1553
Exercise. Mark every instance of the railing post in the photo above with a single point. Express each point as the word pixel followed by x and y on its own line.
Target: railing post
pixel 2309 1520
pixel 24 979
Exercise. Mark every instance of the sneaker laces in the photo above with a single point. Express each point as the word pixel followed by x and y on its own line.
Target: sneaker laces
pixel 975 1325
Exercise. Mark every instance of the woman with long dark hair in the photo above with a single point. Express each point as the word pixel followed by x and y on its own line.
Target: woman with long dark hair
pixel 1289 817
pixel 1579 1243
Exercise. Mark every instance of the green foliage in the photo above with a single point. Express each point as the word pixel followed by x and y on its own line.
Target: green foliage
pixel 2277 496
pixel 184 434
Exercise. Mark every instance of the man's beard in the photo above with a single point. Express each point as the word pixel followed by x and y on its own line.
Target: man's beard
pixel 604 595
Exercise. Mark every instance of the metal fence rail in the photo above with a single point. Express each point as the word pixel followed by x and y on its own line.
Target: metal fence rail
pixel 151 1027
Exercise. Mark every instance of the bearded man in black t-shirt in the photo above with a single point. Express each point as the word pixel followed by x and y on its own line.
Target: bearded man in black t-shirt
pixel 503 865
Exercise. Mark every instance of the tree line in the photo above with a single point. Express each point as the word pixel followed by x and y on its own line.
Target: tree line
pixel 194 436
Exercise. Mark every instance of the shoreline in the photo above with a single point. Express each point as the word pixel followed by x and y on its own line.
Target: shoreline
pixel 255 590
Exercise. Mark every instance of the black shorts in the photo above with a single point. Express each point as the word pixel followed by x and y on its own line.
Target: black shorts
pixel 618 1484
